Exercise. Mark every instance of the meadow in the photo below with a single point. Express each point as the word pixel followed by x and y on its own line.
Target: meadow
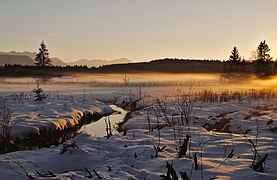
pixel 167 126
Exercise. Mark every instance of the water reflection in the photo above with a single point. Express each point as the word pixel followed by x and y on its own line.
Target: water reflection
pixel 106 126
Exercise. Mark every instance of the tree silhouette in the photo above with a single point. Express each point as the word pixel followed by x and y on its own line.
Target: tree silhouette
pixel 235 57
pixel 234 64
pixel 263 61
pixel 42 57
pixel 262 52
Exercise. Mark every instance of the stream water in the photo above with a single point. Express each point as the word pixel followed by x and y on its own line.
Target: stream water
pixel 106 126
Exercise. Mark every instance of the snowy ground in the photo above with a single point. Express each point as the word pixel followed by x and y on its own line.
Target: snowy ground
pixel 133 156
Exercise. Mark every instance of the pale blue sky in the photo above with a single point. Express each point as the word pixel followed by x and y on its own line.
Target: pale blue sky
pixel 139 30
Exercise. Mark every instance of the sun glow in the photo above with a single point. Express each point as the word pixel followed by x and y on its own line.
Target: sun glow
pixel 269 83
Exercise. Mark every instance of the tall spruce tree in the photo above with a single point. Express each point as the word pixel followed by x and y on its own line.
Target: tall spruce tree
pixel 262 52
pixel 42 57
pixel 263 61
pixel 235 57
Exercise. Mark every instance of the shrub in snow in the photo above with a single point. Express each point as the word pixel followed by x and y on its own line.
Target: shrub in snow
pixel 39 94
pixel 170 174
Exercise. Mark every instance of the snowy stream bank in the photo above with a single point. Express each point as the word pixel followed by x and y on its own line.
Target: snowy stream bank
pixel 51 122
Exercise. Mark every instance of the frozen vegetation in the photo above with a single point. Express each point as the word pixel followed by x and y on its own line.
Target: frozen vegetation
pixel 168 132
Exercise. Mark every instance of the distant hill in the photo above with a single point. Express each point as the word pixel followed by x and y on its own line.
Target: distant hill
pixel 166 66
pixel 58 62
pixel 99 62
pixel 15 59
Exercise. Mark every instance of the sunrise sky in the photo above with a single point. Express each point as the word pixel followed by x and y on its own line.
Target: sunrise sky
pixel 139 30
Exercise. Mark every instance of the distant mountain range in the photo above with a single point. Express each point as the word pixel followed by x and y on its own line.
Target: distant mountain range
pixel 15 59
pixel 27 58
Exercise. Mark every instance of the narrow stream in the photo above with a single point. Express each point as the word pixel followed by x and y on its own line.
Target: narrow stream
pixel 106 126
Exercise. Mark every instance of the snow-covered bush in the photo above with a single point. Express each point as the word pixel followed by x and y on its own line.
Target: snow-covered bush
pixel 39 93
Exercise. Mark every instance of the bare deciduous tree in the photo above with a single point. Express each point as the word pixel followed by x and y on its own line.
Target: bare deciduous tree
pixel 6 124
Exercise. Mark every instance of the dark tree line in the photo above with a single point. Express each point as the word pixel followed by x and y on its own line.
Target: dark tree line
pixel 20 70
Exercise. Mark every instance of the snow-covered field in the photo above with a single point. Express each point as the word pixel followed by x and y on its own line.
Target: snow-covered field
pixel 223 135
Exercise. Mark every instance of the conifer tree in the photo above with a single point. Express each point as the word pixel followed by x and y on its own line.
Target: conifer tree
pixel 42 57
pixel 262 52
pixel 263 61
pixel 235 57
